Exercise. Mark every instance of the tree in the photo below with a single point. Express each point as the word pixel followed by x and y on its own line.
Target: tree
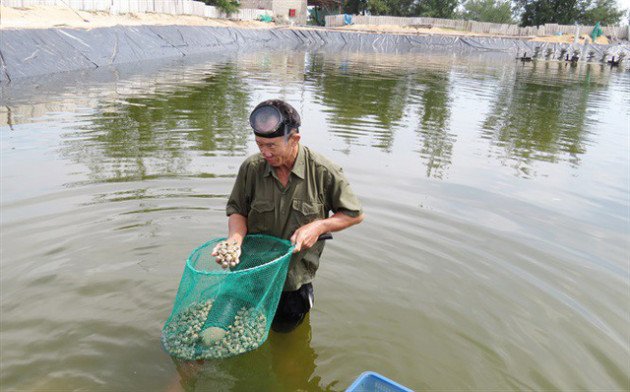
pixel 494 11
pixel 538 12
pixel 352 7
pixel 377 7
pixel 603 11
pixel 227 6
pixel 428 8
pixel 435 8
pixel 401 7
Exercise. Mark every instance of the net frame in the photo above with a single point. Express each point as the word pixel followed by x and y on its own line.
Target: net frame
pixel 225 271
pixel 257 288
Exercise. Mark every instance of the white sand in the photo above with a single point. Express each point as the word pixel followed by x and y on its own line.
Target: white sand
pixel 48 16
pixel 395 29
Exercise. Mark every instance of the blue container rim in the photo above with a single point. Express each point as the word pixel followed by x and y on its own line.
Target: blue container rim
pixel 226 272
pixel 386 380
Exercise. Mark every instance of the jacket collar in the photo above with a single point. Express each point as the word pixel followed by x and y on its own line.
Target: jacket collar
pixel 298 166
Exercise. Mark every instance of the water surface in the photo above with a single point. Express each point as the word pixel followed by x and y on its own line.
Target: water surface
pixel 494 254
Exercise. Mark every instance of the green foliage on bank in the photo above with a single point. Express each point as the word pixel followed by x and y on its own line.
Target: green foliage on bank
pixel 586 12
pixel 427 8
pixel 493 11
pixel 227 6
pixel 528 12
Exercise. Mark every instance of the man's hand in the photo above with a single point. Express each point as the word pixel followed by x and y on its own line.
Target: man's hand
pixel 227 253
pixel 230 256
pixel 306 236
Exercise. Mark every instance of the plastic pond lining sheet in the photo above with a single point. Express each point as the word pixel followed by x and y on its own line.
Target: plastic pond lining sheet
pixel 36 52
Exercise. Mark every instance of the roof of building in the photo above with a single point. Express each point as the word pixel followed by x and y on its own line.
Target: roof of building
pixel 325 3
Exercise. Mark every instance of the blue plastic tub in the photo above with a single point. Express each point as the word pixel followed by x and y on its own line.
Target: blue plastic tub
pixel 374 382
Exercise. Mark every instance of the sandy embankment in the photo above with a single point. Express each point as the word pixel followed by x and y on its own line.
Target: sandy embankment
pixel 42 17
pixel 49 16
pixel 566 38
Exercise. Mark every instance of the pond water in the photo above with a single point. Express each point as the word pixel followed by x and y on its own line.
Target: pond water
pixel 493 256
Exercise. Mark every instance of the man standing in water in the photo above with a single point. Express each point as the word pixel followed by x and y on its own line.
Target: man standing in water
pixel 287 191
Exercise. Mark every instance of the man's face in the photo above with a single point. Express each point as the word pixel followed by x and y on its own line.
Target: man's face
pixel 276 151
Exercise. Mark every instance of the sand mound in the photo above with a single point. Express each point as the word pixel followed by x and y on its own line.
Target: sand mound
pixel 569 38
pixel 51 16
pixel 405 29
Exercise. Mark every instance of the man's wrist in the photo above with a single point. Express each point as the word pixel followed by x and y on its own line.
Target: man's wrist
pixel 235 237
pixel 322 227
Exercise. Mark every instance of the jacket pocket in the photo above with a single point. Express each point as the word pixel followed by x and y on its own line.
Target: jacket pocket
pixel 307 211
pixel 260 218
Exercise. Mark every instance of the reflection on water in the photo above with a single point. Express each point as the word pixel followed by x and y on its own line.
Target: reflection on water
pixel 285 363
pixel 133 138
pixel 341 87
pixel 493 257
pixel 434 105
pixel 538 113
pixel 534 120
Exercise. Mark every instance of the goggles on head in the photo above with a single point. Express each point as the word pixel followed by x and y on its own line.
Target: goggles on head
pixel 268 122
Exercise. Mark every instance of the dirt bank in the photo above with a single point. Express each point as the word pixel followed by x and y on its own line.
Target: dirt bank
pixel 395 29
pixel 50 16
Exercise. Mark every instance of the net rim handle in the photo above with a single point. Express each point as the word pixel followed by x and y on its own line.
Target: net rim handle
pixel 224 272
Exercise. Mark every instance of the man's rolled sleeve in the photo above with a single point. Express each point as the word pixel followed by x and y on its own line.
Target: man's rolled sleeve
pixel 237 202
pixel 343 198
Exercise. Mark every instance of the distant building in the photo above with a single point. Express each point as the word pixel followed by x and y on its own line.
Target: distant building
pixel 296 10
pixel 289 10
pixel 319 9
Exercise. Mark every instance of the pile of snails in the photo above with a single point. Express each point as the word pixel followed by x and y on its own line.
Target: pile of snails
pixel 228 253
pixel 186 337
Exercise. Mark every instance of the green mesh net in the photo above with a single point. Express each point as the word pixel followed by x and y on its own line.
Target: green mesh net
pixel 221 313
